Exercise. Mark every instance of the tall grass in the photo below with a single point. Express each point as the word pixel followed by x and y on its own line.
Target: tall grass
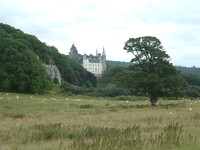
pixel 58 122
pixel 130 138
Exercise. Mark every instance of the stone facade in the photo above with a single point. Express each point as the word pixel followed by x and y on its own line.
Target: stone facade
pixel 94 64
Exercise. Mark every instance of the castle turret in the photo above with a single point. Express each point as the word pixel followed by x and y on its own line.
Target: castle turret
pixel 103 60
pixel 73 52
pixel 75 55
pixel 103 54
pixel 96 52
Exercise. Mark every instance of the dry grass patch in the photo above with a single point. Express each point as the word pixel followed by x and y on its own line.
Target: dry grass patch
pixel 58 122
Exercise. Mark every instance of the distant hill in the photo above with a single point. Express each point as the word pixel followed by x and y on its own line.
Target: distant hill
pixel 118 63
pixel 193 70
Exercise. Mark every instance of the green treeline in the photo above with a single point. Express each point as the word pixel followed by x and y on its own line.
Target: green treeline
pixel 21 59
pixel 118 63
pixel 21 70
pixel 113 73
pixel 190 74
pixel 193 70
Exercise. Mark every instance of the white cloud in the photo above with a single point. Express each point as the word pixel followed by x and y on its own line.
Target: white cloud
pixel 92 24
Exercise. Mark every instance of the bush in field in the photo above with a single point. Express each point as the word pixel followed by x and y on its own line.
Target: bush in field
pixel 77 90
pixel 112 91
pixel 65 87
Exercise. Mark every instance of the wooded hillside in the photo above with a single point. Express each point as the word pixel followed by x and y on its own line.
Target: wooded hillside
pixel 22 56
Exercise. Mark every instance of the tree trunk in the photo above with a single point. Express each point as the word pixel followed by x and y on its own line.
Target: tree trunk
pixel 153 100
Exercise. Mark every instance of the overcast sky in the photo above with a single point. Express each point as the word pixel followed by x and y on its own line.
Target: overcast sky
pixel 94 24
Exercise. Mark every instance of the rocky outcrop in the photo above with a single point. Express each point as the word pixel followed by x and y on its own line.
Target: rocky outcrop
pixel 53 72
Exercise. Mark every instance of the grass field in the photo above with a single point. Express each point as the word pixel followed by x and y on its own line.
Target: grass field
pixel 58 122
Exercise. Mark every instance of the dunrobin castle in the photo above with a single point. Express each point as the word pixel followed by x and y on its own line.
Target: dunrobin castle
pixel 94 64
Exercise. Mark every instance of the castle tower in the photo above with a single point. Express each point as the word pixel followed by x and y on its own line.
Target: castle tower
pixel 75 55
pixel 104 54
pixel 73 52
pixel 96 52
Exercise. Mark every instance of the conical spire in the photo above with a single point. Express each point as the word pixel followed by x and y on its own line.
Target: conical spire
pixel 103 54
pixel 73 47
pixel 96 52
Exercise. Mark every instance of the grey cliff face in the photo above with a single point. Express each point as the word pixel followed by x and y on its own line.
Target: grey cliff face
pixel 53 72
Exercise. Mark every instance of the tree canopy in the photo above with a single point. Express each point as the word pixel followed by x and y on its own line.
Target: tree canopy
pixel 20 70
pixel 152 73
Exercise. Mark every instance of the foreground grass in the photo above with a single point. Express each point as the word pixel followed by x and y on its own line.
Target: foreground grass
pixel 58 122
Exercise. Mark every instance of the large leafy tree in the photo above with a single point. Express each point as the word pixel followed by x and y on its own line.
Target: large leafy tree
pixel 152 73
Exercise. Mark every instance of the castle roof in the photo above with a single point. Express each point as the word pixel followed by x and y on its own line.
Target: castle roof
pixel 103 54
pixel 92 59
pixel 73 47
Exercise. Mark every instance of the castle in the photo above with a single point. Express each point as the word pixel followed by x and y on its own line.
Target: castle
pixel 94 64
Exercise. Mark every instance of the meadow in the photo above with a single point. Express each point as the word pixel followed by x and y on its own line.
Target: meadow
pixel 59 122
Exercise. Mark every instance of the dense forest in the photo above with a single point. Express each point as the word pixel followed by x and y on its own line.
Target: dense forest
pixel 21 59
